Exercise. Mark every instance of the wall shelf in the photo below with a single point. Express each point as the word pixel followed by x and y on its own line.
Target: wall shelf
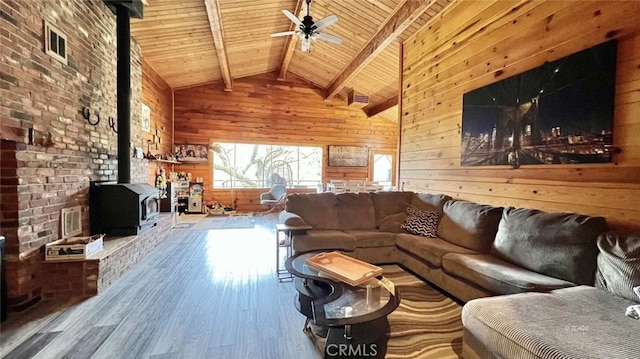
pixel 167 161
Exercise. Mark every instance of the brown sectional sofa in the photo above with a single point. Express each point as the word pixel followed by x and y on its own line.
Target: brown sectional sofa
pixel 480 251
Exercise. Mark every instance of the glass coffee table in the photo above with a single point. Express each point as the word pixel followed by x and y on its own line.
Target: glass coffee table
pixel 355 316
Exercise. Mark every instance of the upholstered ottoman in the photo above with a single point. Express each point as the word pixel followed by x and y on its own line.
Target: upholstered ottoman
pixel 578 322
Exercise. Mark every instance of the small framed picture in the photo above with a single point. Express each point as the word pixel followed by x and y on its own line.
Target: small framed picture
pixel 146 118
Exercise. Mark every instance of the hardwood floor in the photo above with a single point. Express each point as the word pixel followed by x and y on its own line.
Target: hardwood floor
pixel 200 294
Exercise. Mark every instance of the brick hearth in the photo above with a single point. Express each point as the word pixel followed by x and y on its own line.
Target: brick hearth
pixel 89 277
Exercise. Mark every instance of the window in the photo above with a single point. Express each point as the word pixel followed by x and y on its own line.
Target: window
pixel 55 43
pixel 383 169
pixel 237 165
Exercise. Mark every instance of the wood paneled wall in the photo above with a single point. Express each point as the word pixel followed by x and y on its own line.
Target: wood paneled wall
pixel 475 43
pixel 158 95
pixel 262 110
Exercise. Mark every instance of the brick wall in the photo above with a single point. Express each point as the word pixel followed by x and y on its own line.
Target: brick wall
pixel 38 92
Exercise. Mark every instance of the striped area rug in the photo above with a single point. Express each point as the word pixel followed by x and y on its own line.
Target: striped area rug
pixel 427 323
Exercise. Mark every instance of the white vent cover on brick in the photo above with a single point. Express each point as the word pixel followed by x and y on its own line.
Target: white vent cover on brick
pixel 71 221
pixel 55 43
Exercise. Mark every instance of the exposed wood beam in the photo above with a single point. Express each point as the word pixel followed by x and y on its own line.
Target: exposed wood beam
pixel 383 106
pixel 290 44
pixel 215 22
pixel 406 13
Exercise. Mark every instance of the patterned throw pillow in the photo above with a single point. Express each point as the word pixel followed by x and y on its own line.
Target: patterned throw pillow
pixel 421 222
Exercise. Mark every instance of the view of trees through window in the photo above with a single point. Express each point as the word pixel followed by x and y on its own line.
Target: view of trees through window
pixel 237 165
pixel 382 168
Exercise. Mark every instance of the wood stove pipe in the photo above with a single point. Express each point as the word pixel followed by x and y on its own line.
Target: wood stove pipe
pixel 123 30
pixel 124 9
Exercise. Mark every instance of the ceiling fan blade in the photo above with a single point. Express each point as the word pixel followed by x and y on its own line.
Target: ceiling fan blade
pixel 325 21
pixel 329 38
pixel 292 17
pixel 286 33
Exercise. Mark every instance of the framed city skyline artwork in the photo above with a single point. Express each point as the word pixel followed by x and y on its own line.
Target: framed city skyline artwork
pixel 560 112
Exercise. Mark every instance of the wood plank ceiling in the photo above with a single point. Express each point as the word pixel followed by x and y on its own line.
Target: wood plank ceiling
pixel 193 42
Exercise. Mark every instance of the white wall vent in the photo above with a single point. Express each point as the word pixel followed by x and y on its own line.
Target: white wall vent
pixel 71 221
pixel 55 43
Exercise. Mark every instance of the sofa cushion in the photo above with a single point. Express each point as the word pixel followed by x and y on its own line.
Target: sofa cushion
pixel 321 239
pixel 423 223
pixel 319 210
pixel 496 275
pixel 470 225
pixel 429 202
pixel 560 245
pixel 577 322
pixel 367 238
pixel 392 223
pixel 355 211
pixel 619 264
pixel 430 250
pixel 386 203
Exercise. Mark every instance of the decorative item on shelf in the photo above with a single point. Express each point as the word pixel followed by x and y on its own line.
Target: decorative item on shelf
pixel 157 140
pixel 182 176
pixel 113 124
pixel 138 153
pixel 149 155
pixel 161 182
pixel 86 113
pixel 170 157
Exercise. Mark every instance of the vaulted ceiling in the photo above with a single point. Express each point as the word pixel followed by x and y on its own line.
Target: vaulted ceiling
pixel 192 42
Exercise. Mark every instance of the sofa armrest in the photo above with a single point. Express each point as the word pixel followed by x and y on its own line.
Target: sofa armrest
pixel 291 219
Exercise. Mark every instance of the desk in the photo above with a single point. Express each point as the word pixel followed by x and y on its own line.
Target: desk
pixel 281 272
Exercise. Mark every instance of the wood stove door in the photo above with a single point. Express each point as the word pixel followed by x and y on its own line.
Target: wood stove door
pixel 150 208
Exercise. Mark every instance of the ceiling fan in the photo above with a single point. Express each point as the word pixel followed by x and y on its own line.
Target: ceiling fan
pixel 308 30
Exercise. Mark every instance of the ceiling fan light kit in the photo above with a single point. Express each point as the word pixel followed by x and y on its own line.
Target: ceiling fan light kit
pixel 308 30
